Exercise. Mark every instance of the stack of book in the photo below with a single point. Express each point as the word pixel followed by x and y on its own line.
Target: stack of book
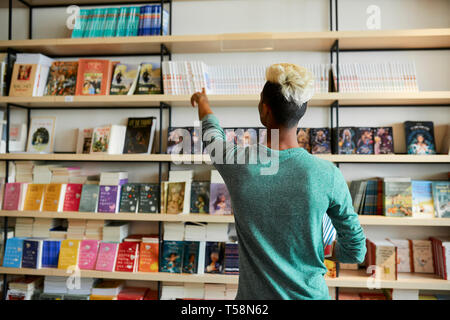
pixel 42 174
pixel 55 285
pixel 64 174
pixel 24 171
pixel 76 229
pixel 115 231
pixel 94 229
pixel 107 290
pixel 42 227
pixel 24 227
pixel 24 288
pixel 198 291
pixel 133 293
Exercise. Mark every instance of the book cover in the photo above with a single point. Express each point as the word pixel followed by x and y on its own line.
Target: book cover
pixel 383 140
pixel 32 254
pixel 220 200
pixel 214 255
pixel 68 254
pixel 303 138
pixel 190 256
pixel 93 77
pixel 62 78
pixel 441 196
pixel 129 197
pixel 403 255
pixel 262 137
pixel 23 80
pixel 127 257
pixel 422 199
pixel 148 198
pixel 139 135
pixel 364 141
pixel 107 199
pixel 72 197
pixel 149 79
pixel 397 199
pixel 175 197
pixel 132 293
pixel 107 254
pixel 11 198
pixel 89 198
pixel 242 137
pixel 84 140
pixel 41 135
pixel 347 140
pixel 100 139
pixel 172 256
pixel 88 254
pixel 149 256
pixel 420 137
pixel 200 196
pixel 13 252
pixel 320 140
pixel 124 79
pixel 33 198
pixel 50 253
pixel 52 197
pixel 231 258
pixel 178 141
pixel 386 260
pixel 422 256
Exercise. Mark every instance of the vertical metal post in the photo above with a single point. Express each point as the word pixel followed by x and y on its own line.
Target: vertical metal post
pixel 8 118
pixel 162 18
pixel 30 23
pixel 336 13
pixel 170 17
pixel 10 20
pixel 337 65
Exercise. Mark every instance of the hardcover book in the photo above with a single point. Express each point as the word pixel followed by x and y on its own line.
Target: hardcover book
pixel 41 135
pixel 32 253
pixel 11 199
pixel 174 197
pixel 420 137
pixel 320 140
pixel 72 197
pixel 89 198
pixel 129 197
pixel 50 253
pixel 108 139
pixel 220 201
pixel 62 78
pixel 33 198
pixel 23 80
pixel 149 79
pixel 422 199
pixel 53 197
pixel 403 255
pixel 93 77
pixel 397 198
pixel 13 252
pixel 148 255
pixel 303 138
pixel 364 141
pixel 124 79
pixel 441 196
pixel 108 199
pixel 214 255
pixel 383 255
pixel 88 254
pixel 107 254
pixel 139 135
pixel 68 255
pixel 193 257
pixel 172 256
pixel 421 256
pixel 148 198
pixel 347 140
pixel 383 140
pixel 127 257
pixel 200 196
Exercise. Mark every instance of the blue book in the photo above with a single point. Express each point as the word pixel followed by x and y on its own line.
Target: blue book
pixel 32 253
pixel 50 253
pixel 214 255
pixel 147 21
pixel 141 19
pixel 13 252
pixel 172 256
pixel 193 257
pixel 157 20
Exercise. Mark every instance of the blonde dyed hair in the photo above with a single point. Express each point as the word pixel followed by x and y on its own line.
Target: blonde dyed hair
pixel 297 83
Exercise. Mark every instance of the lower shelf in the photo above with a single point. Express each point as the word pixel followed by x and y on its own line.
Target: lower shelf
pixel 347 278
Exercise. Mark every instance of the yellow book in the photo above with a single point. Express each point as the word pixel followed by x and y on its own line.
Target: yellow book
pixel 68 254
pixel 33 197
pixel 53 197
pixel 96 297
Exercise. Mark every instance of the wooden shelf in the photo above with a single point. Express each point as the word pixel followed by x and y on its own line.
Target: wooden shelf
pixel 237 42
pixel 385 158
pixel 403 221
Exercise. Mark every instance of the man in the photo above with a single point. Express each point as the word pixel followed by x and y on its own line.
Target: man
pixel 278 213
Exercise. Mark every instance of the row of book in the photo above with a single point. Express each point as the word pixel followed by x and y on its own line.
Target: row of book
pixel 121 22
pixel 389 294
pixel 401 197
pixel 36 75
pixel 386 258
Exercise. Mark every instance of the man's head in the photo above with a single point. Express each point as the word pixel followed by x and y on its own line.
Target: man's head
pixel 284 96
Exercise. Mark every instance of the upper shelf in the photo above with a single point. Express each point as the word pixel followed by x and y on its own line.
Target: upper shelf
pixel 237 42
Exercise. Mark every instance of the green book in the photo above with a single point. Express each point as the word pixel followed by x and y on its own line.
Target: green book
pixel 122 22
pixel 133 22
pixel 111 21
pixel 129 197
pixel 89 198
pixel 102 24
pixel 80 24
pixel 88 24
pixel 148 198
pixel 441 197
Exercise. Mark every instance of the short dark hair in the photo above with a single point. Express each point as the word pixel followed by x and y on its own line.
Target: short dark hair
pixel 286 113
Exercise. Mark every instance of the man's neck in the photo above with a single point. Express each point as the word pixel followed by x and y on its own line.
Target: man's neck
pixel 287 139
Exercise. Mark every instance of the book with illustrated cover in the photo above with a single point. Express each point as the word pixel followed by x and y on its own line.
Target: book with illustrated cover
pixel 41 135
pixel 421 256
pixel 383 140
pixel 149 81
pixel 441 196
pixel 148 198
pixel 93 77
pixel 106 259
pixel 84 140
pixel 62 78
pixel 397 197
pixel 139 135
pixel 214 256
pixel 172 257
pixel 383 255
pixel 89 198
pixel 32 253
pixel 242 137
pixel 262 136
pixel 220 200
pixel 129 197
pixel 33 197
pixel 422 199
pixel 347 140
pixel 200 196
pixel 420 137
pixel 23 80
pixel 179 141
pixel 193 257
pixel 403 254
pixel 124 79
pixel 303 139
pixel 108 199
pixel 364 141
pixel 174 197
pixel 320 140
pixel 108 139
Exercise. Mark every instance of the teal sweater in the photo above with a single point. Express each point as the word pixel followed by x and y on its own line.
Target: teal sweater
pixel 278 217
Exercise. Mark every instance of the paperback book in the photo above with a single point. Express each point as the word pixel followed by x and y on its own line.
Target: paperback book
pixel 93 77
pixel 200 196
pixel 303 138
pixel 124 79
pixel 441 196
pixel 364 141
pixel 383 140
pixel 420 137
pixel 148 198
pixel 149 81
pixel 41 135
pixel 129 198
pixel 320 140
pixel 397 197
pixel 214 256
pixel 62 78
pixel 422 199
pixel 139 135
pixel 172 257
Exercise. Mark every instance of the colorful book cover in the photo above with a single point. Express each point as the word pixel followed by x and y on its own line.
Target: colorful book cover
pixel 262 136
pixel 72 197
pixel 84 140
pixel 33 198
pixel 139 137
pixel 441 196
pixel 13 252
pixel 68 254
pixel 422 256
pixel 89 198
pixel 23 80
pixel 148 198
pixel 220 200
pixel 124 79
pixel 31 253
pixel 62 78
pixel 127 257
pixel 175 197
pixel 50 253
pixel 398 199
pixel 303 138
pixel 190 256
pixel 107 199
pixel 214 255
pixel 364 141
pixel 129 197
pixel 107 254
pixel 88 254
pixel 422 199
pixel 149 79
pixel 100 139
pixel 383 140
pixel 420 137
pixel 200 196
pixel 178 141
pixel 347 140
pixel 52 195
pixel 41 135
pixel 320 140
pixel 11 197
pixel 231 258
pixel 172 257
pixel 242 137
pixel 149 256
pixel 93 77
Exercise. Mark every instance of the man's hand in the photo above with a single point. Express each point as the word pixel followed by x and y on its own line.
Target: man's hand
pixel 201 99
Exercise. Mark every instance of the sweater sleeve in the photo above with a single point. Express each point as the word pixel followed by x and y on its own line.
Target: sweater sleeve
pixel 351 241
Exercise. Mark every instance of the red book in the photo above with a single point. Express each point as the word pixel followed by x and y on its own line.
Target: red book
pixel 132 293
pixel 151 295
pixel 127 257
pixel 93 77
pixel 11 199
pixel 380 197
pixel 72 197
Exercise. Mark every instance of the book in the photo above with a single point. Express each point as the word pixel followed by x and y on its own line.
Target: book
pixel 32 253
pixel 173 199
pixel 24 79
pixel 124 79
pixel 72 197
pixel 364 140
pixel 139 135
pixel 68 255
pixel 214 255
pixel 33 198
pixel 383 255
pixel 129 197
pixel 320 140
pixel 397 197
pixel 89 198
pixel 88 254
pixel 132 293
pixel 93 77
pixel 149 255
pixel 383 140
pixel 62 78
pixel 347 140
pixel 108 139
pixel 17 137
pixel 441 255
pixel 148 198
pixel 11 198
pixel 109 199
pixel 127 257
pixel 441 196
pixel 178 140
pixel 50 253
pixel 13 252
pixel 422 199
pixel 54 194
pixel 108 288
pixel 231 258
pixel 403 254
pixel 193 257
pixel 41 135
pixel 107 254
pixel 419 137
pixel 303 138
pixel 84 140
pixel 149 81
pixel 172 256
pixel 220 201
pixel 421 256
pixel 200 196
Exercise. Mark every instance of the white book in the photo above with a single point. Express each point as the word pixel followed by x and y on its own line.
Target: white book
pixel 41 135
pixel 108 139
pixel 194 290
pixel 173 231
pixel 195 232
pixel 172 292
pixel 23 194
pixel 216 177
pixel 17 137
pixel 217 232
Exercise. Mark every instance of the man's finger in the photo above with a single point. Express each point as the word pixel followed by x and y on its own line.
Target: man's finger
pixel 203 91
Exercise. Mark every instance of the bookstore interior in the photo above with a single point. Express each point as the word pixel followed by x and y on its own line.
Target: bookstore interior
pixel 97 178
